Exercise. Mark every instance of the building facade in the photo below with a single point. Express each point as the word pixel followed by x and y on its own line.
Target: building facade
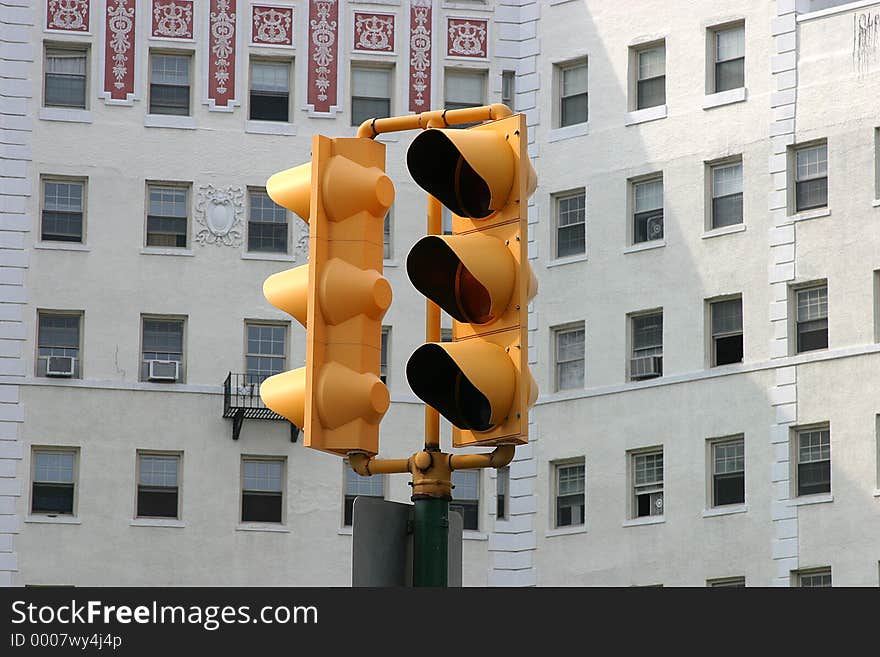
pixel 704 337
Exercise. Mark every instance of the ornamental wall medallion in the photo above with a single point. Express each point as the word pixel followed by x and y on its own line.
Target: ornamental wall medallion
pixel 323 51
pixel 68 15
pixel 373 32
pixel 219 213
pixel 271 26
pixel 221 65
pixel 172 19
pixel 420 35
pixel 466 37
pixel 119 57
pixel 300 249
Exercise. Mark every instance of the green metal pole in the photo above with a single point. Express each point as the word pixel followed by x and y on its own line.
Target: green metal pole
pixel 431 542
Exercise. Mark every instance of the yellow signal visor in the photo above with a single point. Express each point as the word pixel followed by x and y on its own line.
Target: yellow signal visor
pixel 285 394
pixel 292 189
pixel 470 383
pixel 289 291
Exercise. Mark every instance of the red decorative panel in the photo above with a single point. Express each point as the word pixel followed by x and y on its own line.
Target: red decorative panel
pixel 119 48
pixel 67 15
pixel 323 51
pixel 373 32
pixel 466 37
pixel 271 26
pixel 221 63
pixel 420 35
pixel 172 19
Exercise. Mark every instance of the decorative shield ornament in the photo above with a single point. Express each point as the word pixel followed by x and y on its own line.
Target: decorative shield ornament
pixel 219 212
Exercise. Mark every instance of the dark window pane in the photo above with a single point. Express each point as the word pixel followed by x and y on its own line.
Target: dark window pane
pixel 652 92
pixel 501 508
pixel 169 99
pixel 261 507
pixel 570 510
pixel 157 502
pixel 729 75
pixel 574 110
pixel 469 513
pixel 812 194
pixel 570 240
pixel 52 498
pixel 65 90
pixel 267 237
pixel 812 335
pixel 643 505
pixel 648 226
pixel 729 489
pixel 729 350
pixel 269 107
pixel 814 478
pixel 166 231
pixel 727 210
pixel 369 108
pixel 348 515
pixel 62 226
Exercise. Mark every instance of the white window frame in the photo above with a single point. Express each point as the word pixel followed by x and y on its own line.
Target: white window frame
pixel 285 328
pixel 241 489
pixel 711 305
pixel 385 354
pixel 712 445
pixel 164 318
pixel 69 46
pixel 635 66
pixel 64 180
pixel 480 73
pixel 558 466
pixel 179 486
pixel 186 187
pixel 713 55
pixel 651 488
pixel 255 59
pixel 796 178
pixel 556 332
pixel 796 291
pixel 469 500
pixel 508 89
pixel 727 582
pixel 796 462
pixel 557 200
pixel 364 65
pixel 175 52
pixel 252 191
pixel 634 183
pixel 502 493
pixel 54 449
pixel 801 576
pixel 711 168
pixel 388 235
pixel 657 350
pixel 80 316
pixel 561 69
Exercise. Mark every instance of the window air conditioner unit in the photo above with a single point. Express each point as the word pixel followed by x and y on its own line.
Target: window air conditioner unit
pixel 60 365
pixel 646 367
pixel 164 370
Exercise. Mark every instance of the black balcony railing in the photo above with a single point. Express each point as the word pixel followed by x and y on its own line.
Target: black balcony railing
pixel 241 401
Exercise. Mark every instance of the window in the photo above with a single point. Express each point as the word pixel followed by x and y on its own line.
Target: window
pixel 358 486
pixel 572 93
pixel 270 91
pixel 651 76
pixel 267 224
pixel 570 489
pixel 647 346
pixel 813 461
pixel 370 93
pixel 647 210
pixel 387 250
pixel 445 335
pixel 570 357
pixel 466 497
pixel 728 472
pixel 62 211
pixel 158 485
pixel 58 339
pixel 727 194
pixel 571 223
pixel 811 177
pixel 816 578
pixel 502 486
pixel 54 481
pixel 508 88
pixel 446 216
pixel 265 350
pixel 162 348
pixel 65 77
pixel 730 57
pixel 465 89
pixel 727 582
pixel 262 490
pixel 647 469
pixel 812 318
pixel 383 354
pixel 167 215
pixel 727 332
pixel 169 84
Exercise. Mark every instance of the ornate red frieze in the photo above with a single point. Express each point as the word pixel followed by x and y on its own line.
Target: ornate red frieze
pixel 221 56
pixel 119 59
pixel 373 32
pixel 466 37
pixel 172 19
pixel 271 26
pixel 67 15
pixel 420 36
pixel 323 53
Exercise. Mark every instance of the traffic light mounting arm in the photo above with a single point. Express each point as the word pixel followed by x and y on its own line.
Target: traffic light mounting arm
pixel 371 128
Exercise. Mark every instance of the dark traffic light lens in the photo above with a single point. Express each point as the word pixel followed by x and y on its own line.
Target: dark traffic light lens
pixel 471 192
pixel 472 407
pixel 472 298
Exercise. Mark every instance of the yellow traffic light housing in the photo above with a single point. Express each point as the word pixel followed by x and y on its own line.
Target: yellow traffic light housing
pixel 480 275
pixel 340 296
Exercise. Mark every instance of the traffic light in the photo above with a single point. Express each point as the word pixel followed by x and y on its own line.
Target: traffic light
pixel 480 275
pixel 340 296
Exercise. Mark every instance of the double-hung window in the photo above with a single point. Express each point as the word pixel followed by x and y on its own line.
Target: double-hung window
pixel 570 490
pixel 570 358
pixel 647 210
pixel 359 486
pixel 370 93
pixel 58 344
pixel 267 224
pixel 816 578
pixel 262 490
pixel 508 88
pixel 571 224
pixel 502 495
pixel 65 82
pixel 730 57
pixel 270 91
pixel 727 194
pixel 169 84
pixel 811 177
pixel 62 215
pixel 728 472
pixel 465 89
pixel 647 478
pixel 158 490
pixel 265 351
pixel 162 350
pixel 167 216
pixel 813 451
pixel 53 481
pixel 727 332
pixel 651 77
pixel 812 318
pixel 573 93
pixel 466 497
pixel 647 346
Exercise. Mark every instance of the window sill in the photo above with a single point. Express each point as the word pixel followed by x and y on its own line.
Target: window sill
pixel 647 520
pixel 725 510
pixel 61 246
pixel 390 263
pixel 387 137
pixel 272 529
pixel 810 214
pixel 724 98
pixel 269 128
pixel 645 246
pixel 170 121
pixel 569 132
pixel 877 492
pixel 274 257
pixel 876 203
pixel 166 252
pixel 558 262
pixel 156 522
pixel 345 531
pixel 725 230
pixel 819 498
pixel 65 114
pixel 645 115
pixel 49 520
pixel 566 531
pixel 473 535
